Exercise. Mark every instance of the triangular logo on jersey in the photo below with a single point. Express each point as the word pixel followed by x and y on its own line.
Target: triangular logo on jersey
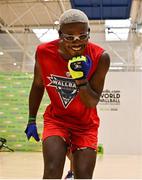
pixel 66 88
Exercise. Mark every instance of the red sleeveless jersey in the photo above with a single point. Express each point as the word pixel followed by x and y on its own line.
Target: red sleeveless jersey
pixel 66 106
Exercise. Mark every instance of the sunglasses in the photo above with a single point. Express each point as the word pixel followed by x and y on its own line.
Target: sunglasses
pixel 70 38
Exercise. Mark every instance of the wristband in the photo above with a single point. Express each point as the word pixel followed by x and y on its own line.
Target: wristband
pixel 32 118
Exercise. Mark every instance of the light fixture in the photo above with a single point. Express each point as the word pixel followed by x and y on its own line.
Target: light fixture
pixel 56 22
pixel 1 53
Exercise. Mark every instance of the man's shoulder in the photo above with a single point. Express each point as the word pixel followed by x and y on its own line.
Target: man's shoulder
pixel 94 50
pixel 94 45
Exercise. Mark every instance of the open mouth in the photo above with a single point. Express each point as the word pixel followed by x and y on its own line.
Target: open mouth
pixel 76 48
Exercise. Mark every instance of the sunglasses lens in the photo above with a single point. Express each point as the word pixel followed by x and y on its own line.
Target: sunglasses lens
pixel 83 37
pixel 73 38
pixel 69 38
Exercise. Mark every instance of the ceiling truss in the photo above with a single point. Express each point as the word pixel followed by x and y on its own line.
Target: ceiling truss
pixel 18 17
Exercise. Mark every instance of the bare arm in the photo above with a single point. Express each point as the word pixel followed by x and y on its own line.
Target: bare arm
pixel 37 91
pixel 90 94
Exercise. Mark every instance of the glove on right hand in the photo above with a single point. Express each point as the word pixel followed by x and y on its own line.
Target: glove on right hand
pixel 79 67
pixel 31 130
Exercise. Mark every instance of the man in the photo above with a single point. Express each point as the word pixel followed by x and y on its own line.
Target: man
pixel 72 70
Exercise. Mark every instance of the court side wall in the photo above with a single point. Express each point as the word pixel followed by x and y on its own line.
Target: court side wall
pixel 120 111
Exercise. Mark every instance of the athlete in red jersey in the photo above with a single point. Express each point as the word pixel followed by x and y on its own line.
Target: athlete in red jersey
pixel 72 70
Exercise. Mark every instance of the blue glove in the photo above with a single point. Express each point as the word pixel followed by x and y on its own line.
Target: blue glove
pixel 79 67
pixel 31 130
pixel 86 66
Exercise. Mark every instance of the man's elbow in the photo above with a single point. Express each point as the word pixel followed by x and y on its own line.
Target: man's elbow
pixel 91 103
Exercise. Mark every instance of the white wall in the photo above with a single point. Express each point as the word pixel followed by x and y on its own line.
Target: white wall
pixel 121 123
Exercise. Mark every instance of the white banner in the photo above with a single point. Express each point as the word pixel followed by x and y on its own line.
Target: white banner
pixel 120 111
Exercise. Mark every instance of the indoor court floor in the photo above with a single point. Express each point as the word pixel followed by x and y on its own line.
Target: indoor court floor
pixel 20 165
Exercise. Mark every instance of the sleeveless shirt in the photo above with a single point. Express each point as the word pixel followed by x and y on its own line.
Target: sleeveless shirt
pixel 65 104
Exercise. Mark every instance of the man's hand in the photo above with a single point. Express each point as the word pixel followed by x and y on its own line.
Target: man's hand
pixel 79 67
pixel 31 131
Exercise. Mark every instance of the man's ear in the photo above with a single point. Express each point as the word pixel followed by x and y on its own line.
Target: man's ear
pixel 59 32
pixel 89 30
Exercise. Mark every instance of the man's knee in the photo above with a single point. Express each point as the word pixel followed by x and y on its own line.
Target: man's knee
pixel 53 171
pixel 84 163
pixel 54 152
pixel 83 172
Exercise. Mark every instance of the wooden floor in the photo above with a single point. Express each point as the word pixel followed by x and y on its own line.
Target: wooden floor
pixel 19 165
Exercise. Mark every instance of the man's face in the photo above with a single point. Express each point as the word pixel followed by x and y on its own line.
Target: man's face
pixel 74 38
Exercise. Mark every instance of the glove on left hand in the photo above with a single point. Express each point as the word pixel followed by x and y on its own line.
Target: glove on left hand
pixel 31 130
pixel 79 67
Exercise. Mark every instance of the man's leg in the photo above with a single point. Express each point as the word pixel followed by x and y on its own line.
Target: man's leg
pixel 54 153
pixel 84 162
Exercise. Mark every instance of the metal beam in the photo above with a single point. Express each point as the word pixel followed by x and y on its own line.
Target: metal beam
pixel 34 18
pixel 52 10
pixel 117 54
pixel 47 12
pixel 17 42
pixel 134 11
pixel 15 13
pixel 62 6
pixel 139 17
pixel 22 15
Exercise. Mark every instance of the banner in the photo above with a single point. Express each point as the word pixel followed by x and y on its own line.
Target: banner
pixel 120 113
pixel 14 93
